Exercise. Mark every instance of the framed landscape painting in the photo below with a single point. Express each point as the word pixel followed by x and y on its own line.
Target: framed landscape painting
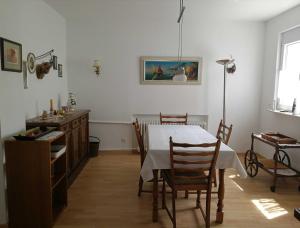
pixel 11 55
pixel 162 70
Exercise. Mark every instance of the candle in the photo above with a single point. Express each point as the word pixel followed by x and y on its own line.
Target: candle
pixel 51 105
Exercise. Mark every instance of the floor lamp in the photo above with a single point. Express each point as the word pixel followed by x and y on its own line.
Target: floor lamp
pixel 229 67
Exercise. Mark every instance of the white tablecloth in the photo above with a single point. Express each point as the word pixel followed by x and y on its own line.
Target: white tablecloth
pixel 158 148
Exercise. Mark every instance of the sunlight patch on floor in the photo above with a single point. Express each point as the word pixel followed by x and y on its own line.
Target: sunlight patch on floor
pixel 237 185
pixel 269 208
pixel 232 176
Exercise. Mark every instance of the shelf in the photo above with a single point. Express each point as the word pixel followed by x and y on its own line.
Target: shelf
pixel 269 164
pixel 53 160
pixel 284 113
pixel 57 179
pixel 284 172
pixel 58 155
pixel 52 136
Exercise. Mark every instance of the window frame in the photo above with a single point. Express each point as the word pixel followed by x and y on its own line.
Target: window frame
pixel 281 55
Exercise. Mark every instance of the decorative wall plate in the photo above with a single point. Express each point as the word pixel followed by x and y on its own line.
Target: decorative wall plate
pixel 31 62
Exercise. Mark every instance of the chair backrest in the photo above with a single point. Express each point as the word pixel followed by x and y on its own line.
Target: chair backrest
pixel 140 140
pixel 173 119
pixel 185 162
pixel 224 132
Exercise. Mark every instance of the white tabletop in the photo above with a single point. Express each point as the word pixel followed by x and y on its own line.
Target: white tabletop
pixel 158 148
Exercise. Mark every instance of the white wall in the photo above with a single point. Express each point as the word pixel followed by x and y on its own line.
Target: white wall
pixel 270 121
pixel 119 32
pixel 38 28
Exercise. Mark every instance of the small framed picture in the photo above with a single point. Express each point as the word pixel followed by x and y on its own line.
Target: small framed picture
pixel 60 71
pixel 11 56
pixel 54 62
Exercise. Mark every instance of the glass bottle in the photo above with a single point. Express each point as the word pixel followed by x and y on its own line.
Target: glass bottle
pixel 71 101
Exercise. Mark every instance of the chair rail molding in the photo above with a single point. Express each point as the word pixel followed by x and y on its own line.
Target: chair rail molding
pixel 119 134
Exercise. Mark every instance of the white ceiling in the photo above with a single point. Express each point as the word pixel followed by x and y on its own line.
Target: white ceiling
pixel 253 10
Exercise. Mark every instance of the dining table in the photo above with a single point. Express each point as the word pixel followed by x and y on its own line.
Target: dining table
pixel 158 158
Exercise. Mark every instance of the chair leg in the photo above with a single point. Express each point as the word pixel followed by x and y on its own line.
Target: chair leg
pixel 198 199
pixel 140 186
pixel 174 194
pixel 186 195
pixel 164 194
pixel 207 208
pixel 215 178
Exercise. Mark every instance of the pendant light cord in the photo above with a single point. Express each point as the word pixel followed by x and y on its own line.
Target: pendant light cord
pixel 180 34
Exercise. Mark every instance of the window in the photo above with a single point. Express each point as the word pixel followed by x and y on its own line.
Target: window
pixel 288 81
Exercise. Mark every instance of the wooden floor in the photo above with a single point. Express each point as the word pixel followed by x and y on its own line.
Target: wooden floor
pixel 105 195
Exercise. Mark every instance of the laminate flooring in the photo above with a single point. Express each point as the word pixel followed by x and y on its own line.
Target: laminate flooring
pixel 104 195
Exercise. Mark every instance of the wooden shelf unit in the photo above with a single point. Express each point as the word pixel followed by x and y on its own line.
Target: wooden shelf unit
pixel 36 183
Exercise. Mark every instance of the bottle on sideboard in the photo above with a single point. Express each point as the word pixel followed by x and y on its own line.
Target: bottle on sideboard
pixel 72 101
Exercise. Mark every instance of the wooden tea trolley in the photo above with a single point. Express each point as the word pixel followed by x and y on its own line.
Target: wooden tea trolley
pixel 280 165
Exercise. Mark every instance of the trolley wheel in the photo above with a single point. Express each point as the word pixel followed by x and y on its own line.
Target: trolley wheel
pixel 273 188
pixel 251 163
pixel 282 157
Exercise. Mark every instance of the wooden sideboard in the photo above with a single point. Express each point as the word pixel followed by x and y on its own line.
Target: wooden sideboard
pixel 76 127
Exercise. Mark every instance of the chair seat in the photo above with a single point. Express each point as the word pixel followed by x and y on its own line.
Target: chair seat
pixel 186 181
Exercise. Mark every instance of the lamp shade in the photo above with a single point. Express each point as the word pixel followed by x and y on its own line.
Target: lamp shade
pixel 225 61
pixel 180 75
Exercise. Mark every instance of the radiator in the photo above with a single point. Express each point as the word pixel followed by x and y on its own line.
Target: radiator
pixel 146 119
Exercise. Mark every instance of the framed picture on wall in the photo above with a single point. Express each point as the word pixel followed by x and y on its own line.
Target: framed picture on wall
pixel 60 71
pixel 162 70
pixel 54 62
pixel 11 55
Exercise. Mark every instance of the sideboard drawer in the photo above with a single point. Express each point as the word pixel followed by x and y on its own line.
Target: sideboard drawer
pixel 65 127
pixel 75 123
pixel 84 119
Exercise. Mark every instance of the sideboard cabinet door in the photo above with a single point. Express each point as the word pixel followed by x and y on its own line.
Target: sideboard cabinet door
pixel 76 141
pixel 84 136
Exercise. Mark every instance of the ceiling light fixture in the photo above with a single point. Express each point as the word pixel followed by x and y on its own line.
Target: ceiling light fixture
pixel 180 71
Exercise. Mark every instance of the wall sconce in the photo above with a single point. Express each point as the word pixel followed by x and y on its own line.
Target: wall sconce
pixel 97 67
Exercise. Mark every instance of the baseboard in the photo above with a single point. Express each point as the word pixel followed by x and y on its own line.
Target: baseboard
pixel 134 151
pixel 117 149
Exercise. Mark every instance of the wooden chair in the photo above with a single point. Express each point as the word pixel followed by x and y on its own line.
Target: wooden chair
pixel 173 119
pixel 224 133
pixel 140 141
pixel 191 170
